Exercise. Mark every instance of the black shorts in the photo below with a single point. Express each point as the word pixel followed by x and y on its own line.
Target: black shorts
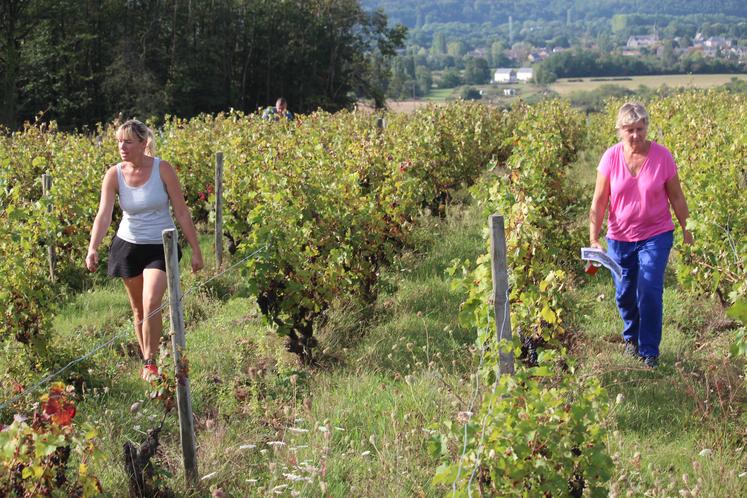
pixel 128 260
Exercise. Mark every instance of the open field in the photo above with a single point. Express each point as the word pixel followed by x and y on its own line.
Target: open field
pixel 442 94
pixel 493 94
pixel 564 87
pixel 410 105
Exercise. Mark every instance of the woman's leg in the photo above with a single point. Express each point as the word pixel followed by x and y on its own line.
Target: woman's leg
pixel 154 287
pixel 625 287
pixel 134 286
pixel 653 255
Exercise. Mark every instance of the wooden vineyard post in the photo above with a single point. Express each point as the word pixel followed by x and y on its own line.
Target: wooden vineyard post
pixel 218 209
pixel 51 255
pixel 179 342
pixel 502 310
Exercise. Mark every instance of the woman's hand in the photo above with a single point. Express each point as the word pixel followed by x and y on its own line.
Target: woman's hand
pixel 197 263
pixel 687 237
pixel 92 260
pixel 596 244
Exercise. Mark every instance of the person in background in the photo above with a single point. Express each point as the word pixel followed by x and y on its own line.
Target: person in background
pixel 637 179
pixel 280 109
pixel 145 186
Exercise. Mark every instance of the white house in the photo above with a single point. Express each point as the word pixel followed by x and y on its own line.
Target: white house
pixel 645 41
pixel 504 75
pixel 717 42
pixel 524 74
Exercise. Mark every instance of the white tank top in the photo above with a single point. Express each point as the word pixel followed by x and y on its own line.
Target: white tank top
pixel 145 209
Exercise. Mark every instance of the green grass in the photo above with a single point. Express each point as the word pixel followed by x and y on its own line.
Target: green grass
pixel 441 94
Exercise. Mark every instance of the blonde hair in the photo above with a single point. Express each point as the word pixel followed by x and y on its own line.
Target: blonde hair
pixel 134 129
pixel 631 113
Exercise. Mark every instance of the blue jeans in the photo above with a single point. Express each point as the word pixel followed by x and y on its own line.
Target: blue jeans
pixel 639 292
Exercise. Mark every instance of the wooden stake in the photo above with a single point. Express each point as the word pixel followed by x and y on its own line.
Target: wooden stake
pixel 502 310
pixel 179 343
pixel 51 254
pixel 218 209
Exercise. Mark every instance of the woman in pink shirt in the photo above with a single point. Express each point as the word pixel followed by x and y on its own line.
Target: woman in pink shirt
pixel 638 180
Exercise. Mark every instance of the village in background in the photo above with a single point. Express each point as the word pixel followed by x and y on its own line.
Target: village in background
pixel 494 53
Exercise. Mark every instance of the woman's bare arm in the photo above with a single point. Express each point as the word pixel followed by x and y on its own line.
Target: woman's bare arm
pixel 103 217
pixel 181 212
pixel 598 208
pixel 679 205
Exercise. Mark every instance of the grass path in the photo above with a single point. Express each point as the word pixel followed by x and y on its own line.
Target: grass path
pixel 681 422
pixel 355 425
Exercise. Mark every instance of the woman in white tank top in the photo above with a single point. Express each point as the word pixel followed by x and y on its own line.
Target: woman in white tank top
pixel 145 185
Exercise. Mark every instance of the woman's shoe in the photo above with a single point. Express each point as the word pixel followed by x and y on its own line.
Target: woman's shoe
pixel 631 349
pixel 651 361
pixel 150 370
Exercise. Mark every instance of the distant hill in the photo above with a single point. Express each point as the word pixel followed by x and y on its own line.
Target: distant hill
pixel 416 13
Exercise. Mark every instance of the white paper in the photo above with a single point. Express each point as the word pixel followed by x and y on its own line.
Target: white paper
pixel 601 257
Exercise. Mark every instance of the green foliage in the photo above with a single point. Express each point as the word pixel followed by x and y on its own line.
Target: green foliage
pixel 558 22
pixel 538 433
pixel 29 223
pixel 80 64
pixel 738 311
pixel 351 192
pixel 736 85
pixel 35 453
pixel 578 63
pixel 444 11
pixel 321 202
pixel 450 79
pixel 470 93
pixel 540 203
pixel 476 71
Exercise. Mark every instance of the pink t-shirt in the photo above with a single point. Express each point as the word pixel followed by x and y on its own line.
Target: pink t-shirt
pixel 639 205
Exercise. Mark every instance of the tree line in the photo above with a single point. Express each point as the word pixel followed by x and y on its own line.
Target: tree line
pixel 81 62
pixel 417 13
pixel 584 63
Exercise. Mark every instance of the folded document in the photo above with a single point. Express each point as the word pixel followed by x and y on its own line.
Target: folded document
pixel 601 257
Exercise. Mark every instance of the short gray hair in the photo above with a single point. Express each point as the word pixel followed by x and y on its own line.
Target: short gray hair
pixel 631 113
